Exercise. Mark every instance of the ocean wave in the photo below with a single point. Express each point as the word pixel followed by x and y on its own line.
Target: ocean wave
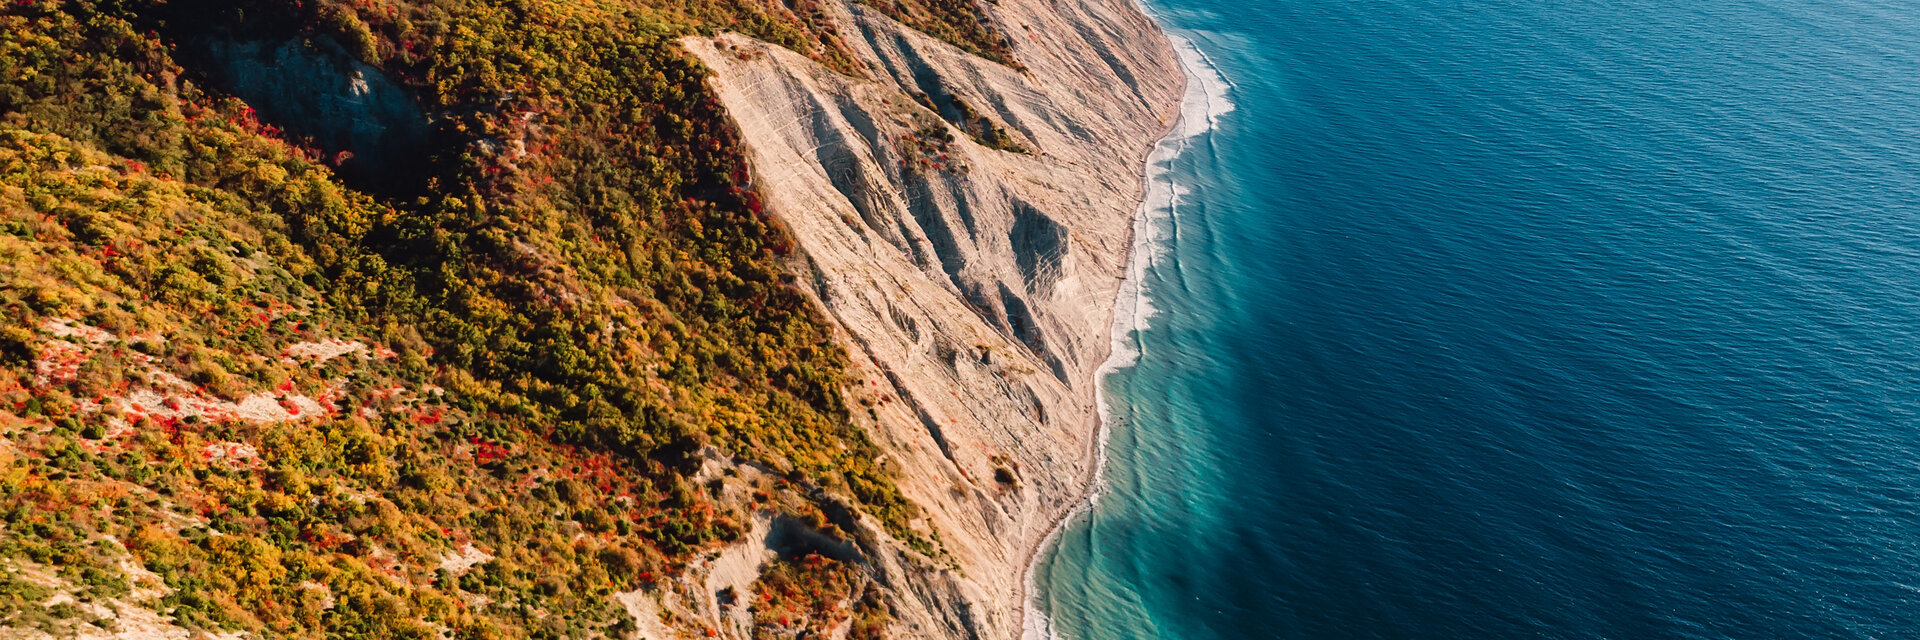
pixel 1205 102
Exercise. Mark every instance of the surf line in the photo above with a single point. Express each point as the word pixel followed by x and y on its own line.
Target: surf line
pixel 1203 103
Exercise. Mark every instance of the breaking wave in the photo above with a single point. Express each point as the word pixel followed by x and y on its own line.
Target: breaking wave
pixel 1205 102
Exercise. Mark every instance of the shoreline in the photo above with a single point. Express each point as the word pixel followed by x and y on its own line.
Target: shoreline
pixel 1202 103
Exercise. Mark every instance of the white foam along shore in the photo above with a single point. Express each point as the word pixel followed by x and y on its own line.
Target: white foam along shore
pixel 1205 101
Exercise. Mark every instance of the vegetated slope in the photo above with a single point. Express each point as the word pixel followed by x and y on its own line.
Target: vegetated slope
pixel 431 332
pixel 962 23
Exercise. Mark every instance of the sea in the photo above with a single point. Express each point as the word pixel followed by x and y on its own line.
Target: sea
pixel 1500 319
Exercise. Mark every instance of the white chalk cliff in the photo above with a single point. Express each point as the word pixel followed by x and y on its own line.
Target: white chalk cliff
pixel 973 287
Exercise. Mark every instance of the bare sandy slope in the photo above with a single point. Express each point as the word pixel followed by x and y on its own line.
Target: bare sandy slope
pixel 973 291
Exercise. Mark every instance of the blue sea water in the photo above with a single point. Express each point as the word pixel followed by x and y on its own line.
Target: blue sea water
pixel 1523 319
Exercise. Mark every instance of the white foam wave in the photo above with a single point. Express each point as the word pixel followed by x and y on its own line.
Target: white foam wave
pixel 1201 109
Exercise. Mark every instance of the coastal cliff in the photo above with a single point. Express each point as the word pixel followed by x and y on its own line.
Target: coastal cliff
pixel 531 319
pixel 965 225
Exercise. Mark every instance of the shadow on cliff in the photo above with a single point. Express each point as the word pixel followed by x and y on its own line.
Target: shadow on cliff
pixel 372 130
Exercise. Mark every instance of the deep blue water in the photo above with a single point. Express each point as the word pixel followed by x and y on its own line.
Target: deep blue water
pixel 1526 319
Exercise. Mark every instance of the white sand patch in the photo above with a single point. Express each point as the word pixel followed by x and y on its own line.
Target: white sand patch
pixel 259 407
pixel 461 560
pixel 59 362
pixel 167 380
pixel 70 328
pixel 232 454
pixel 326 593
pixel 646 614
pixel 325 350
pixel 148 402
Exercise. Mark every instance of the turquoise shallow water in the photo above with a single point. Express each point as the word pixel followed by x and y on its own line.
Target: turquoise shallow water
pixel 1489 319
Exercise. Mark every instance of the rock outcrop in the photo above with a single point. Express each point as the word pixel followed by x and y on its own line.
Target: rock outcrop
pixel 966 225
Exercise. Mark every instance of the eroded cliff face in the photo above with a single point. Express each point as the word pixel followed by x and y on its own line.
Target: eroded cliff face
pixel 966 226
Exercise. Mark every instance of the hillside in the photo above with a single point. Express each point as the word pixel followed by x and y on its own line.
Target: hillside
pixel 454 318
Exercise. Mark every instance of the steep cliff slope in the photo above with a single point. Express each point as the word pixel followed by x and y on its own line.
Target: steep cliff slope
pixel 510 319
pixel 966 225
